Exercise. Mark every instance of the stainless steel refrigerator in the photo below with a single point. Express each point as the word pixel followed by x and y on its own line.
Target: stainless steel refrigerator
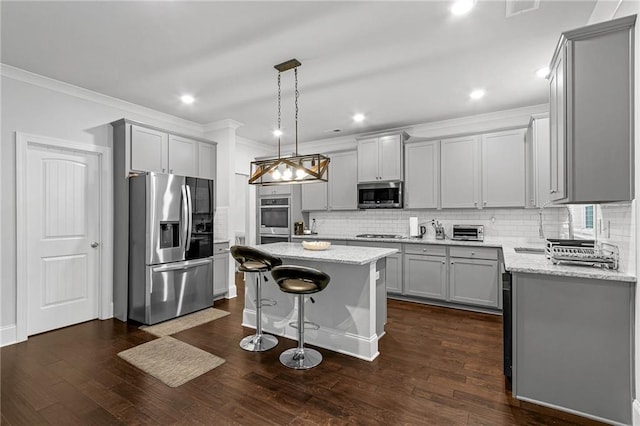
pixel 170 246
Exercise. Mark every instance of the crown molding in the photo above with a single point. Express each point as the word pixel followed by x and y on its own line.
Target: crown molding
pixel 227 123
pixel 34 79
pixel 250 143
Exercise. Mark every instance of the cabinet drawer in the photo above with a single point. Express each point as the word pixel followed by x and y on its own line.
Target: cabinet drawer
pixel 430 250
pixel 220 248
pixel 474 252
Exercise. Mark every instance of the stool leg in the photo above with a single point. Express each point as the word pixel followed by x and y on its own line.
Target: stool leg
pixel 258 342
pixel 300 358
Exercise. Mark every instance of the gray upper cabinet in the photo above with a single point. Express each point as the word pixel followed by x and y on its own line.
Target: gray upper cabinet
pixel 149 150
pixel 503 164
pixel 183 157
pixel 207 160
pixel 537 161
pixel 275 190
pixel 380 158
pixel 314 195
pixel 343 181
pixel 591 114
pixel 460 172
pixel 340 193
pixel 422 175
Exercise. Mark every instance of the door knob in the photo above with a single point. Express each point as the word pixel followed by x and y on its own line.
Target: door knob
pixel 95 244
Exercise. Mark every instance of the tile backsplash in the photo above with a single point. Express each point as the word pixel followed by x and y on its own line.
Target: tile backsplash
pixel 516 223
pixel 614 223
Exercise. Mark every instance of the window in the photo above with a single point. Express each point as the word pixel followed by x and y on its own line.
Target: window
pixel 588 217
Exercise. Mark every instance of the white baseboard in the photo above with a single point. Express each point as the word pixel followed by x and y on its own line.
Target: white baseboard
pixel 636 412
pixel 233 292
pixel 8 335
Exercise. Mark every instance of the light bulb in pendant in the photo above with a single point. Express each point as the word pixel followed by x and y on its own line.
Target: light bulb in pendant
pixel 287 174
pixel 276 174
pixel 300 173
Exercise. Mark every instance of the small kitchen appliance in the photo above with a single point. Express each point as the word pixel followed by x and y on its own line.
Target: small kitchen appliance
pixel 468 232
pixel 298 228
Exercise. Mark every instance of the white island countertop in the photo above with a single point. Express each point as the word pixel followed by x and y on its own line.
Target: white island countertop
pixel 334 254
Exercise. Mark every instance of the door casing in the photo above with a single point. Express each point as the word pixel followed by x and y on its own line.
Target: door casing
pixel 105 268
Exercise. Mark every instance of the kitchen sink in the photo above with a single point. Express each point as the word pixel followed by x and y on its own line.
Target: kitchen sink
pixel 529 250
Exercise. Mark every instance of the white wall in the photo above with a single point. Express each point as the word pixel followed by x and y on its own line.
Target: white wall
pixel 37 105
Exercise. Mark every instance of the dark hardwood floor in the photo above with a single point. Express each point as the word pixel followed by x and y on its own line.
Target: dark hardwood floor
pixel 437 366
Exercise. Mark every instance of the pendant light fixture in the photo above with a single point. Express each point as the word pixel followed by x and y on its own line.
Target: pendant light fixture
pixel 295 168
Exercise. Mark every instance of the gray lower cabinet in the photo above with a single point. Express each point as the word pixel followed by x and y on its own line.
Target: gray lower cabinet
pixel 425 276
pixel 474 276
pixel 220 269
pixel 572 344
pixel 394 264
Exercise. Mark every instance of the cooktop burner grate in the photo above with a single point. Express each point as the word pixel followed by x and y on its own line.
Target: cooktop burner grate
pixel 393 236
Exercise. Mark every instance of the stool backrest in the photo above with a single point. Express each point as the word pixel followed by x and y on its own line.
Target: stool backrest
pixel 244 254
pixel 286 275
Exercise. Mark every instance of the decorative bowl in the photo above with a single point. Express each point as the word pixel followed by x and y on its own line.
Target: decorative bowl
pixel 316 245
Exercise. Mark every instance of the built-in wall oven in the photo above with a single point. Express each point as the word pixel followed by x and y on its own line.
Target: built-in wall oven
pixel 275 219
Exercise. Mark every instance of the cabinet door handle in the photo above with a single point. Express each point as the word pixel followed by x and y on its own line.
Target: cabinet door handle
pixel 452 263
pixel 162 170
pixel 443 262
pixel 485 203
pixel 553 191
pixel 475 203
pixel 170 170
pixel 424 250
pixel 473 253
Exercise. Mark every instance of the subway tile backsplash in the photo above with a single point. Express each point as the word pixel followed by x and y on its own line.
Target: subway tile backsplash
pixel 517 223
pixel 614 224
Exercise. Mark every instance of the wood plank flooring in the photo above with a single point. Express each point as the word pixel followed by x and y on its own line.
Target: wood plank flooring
pixel 437 366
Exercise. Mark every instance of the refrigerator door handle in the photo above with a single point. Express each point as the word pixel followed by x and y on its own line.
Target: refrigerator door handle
pixel 190 217
pixel 184 219
pixel 181 265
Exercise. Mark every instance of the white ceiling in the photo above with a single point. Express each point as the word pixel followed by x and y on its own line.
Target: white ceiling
pixel 400 63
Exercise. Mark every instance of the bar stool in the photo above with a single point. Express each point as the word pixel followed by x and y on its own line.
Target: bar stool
pixel 256 261
pixel 300 280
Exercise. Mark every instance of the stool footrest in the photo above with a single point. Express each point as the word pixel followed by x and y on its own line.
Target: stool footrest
pixel 266 302
pixel 308 325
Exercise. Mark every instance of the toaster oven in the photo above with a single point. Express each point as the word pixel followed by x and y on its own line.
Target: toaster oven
pixel 468 232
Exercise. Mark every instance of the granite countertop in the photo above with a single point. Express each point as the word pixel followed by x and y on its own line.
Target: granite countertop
pixel 334 254
pixel 531 263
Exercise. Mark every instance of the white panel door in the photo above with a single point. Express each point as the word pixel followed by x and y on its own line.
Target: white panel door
pixel 149 150
pixel 183 157
pixel 63 190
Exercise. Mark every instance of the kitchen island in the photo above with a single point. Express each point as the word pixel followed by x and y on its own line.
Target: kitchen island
pixel 350 312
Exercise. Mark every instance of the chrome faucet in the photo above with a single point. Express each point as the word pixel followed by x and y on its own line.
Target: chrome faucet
pixel 540 212
pixel 570 224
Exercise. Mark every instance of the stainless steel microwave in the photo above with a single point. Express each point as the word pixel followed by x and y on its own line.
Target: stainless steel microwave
pixel 382 195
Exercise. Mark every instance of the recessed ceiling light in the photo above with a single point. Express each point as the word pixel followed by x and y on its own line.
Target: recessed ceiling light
pixel 277 132
pixel 358 118
pixel 543 72
pixel 460 7
pixel 477 94
pixel 187 99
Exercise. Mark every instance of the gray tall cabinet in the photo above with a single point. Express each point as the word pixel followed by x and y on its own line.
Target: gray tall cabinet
pixel 591 114
pixel 140 148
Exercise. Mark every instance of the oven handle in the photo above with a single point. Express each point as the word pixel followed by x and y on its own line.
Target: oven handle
pixel 275 207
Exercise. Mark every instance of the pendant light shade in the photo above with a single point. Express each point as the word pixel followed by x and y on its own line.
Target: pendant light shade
pixel 295 168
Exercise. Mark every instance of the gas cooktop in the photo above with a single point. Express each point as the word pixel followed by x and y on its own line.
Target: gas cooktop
pixel 380 236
